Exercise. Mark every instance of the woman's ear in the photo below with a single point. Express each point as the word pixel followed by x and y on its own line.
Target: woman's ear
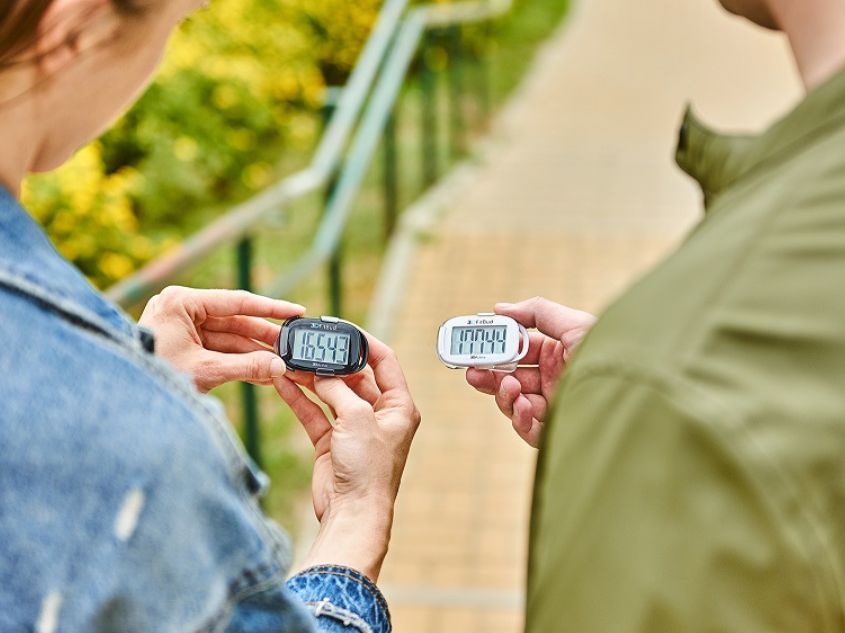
pixel 70 28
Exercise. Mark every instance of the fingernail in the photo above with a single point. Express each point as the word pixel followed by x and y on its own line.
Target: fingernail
pixel 503 306
pixel 277 367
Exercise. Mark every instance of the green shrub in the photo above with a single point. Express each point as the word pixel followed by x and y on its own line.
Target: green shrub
pixel 90 216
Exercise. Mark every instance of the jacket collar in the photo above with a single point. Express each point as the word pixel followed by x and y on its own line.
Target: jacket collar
pixel 718 161
pixel 29 264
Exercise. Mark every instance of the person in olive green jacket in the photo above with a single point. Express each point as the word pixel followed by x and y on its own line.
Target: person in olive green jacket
pixel 692 475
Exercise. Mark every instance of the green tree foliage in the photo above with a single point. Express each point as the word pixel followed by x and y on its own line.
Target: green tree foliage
pixel 240 86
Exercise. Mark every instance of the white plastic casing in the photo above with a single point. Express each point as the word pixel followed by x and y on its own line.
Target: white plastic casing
pixel 516 343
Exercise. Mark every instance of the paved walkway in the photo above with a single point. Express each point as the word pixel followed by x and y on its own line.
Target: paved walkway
pixel 578 196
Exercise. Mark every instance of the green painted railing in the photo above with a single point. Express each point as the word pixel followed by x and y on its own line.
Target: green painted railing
pixel 359 117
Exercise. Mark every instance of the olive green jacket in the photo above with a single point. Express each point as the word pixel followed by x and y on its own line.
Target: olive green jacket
pixel 692 478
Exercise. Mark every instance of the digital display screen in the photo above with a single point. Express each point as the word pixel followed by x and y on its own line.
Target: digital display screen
pixel 320 346
pixel 485 339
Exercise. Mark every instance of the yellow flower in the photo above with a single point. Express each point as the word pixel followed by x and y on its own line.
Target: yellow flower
pixel 257 175
pixel 115 265
pixel 185 149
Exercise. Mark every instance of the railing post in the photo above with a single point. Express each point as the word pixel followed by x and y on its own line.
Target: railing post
pixel 391 174
pixel 456 90
pixel 429 104
pixel 335 272
pixel 249 396
pixel 486 63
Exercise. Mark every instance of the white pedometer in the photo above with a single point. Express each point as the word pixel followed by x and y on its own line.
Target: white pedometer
pixel 482 341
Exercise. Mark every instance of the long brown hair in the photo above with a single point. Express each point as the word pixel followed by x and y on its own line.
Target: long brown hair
pixel 20 20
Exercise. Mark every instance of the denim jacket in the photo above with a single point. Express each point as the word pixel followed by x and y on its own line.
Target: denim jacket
pixel 126 502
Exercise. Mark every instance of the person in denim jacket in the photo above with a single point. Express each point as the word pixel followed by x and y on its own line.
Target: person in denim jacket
pixel 126 502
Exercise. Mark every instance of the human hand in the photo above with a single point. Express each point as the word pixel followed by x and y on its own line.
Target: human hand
pixel 218 336
pixel 524 396
pixel 359 460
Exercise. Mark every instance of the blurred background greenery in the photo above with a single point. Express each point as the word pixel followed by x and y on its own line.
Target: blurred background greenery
pixel 236 106
pixel 238 89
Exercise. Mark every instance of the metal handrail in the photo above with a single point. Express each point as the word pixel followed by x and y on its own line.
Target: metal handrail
pixel 236 223
pixel 373 124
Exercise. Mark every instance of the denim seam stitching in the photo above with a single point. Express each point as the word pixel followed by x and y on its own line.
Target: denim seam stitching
pixel 68 310
pixel 58 302
pixel 366 583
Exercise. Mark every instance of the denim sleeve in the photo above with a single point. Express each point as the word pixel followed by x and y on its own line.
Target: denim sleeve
pixel 342 599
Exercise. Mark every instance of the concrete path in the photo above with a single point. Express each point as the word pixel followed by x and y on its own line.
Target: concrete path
pixel 578 195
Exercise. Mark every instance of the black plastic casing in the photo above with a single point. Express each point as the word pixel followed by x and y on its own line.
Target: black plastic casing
pixel 358 347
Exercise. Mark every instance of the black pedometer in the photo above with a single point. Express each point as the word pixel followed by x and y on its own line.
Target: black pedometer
pixel 326 346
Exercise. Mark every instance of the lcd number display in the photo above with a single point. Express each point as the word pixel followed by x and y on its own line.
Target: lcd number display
pixel 323 347
pixel 476 340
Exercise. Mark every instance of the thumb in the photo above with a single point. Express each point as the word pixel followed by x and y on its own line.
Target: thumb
pixel 343 401
pixel 552 319
pixel 255 367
